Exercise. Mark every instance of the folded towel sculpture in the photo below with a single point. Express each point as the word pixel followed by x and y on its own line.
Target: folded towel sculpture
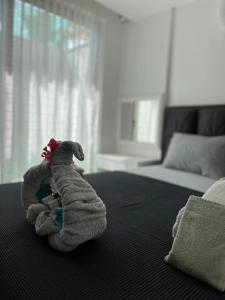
pixel 59 201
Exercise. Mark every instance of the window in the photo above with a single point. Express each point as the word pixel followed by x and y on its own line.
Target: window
pixel 50 78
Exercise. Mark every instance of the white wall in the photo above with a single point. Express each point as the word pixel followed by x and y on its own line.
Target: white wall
pixel 144 49
pixel 136 60
pixel 198 60
pixel 198 69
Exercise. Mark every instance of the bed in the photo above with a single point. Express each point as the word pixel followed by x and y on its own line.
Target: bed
pixel 189 180
pixel 127 261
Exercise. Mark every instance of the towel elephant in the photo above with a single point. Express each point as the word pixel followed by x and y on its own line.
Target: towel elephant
pixel 59 201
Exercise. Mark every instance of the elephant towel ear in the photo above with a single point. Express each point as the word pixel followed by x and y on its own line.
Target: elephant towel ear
pixel 77 151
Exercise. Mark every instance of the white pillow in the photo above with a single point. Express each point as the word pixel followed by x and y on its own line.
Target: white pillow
pixel 197 154
pixel 216 192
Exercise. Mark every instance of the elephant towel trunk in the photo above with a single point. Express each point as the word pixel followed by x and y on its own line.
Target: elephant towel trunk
pixel 84 213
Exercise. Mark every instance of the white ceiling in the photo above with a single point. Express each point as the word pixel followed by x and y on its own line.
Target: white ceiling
pixel 139 9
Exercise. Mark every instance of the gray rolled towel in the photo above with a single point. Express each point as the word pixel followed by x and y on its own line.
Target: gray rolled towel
pixel 33 179
pixel 45 222
pixel 33 211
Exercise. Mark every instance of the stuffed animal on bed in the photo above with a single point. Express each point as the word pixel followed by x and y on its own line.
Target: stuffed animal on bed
pixel 59 201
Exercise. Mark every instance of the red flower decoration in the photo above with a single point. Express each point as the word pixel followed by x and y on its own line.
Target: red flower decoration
pixel 49 149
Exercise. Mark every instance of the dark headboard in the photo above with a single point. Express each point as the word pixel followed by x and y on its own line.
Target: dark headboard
pixel 202 120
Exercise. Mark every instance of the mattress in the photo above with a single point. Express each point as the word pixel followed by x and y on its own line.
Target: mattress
pixel 189 180
pixel 125 263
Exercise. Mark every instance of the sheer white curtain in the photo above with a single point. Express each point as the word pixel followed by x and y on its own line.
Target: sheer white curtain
pixel 50 80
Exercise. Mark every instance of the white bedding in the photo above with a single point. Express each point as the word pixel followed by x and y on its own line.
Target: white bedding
pixel 193 181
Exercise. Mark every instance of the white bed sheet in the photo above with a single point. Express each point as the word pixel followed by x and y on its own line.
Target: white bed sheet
pixel 193 181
